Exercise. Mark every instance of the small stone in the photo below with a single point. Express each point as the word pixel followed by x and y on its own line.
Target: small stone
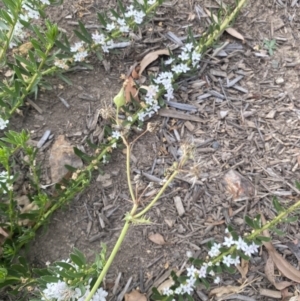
pixel 279 80
pixel 223 114
pixel 105 180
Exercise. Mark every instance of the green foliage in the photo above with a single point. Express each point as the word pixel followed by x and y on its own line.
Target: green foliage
pixel 270 45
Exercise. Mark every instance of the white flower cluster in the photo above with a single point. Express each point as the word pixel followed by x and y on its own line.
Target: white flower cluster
pixel 99 39
pixel 165 80
pixel 138 16
pixel 116 135
pixel 4 178
pixel 193 273
pixel 80 51
pixel 3 123
pixel 60 291
pixel 30 12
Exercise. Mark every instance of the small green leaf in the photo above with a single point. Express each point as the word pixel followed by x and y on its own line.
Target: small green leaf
pixel 81 36
pixel 278 232
pixel 249 221
pixel 82 155
pixel 102 19
pixel 291 219
pixel 264 238
pixel 85 32
pixel 65 79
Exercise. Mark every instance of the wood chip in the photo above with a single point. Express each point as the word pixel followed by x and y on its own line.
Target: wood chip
pixel 178 115
pixel 179 206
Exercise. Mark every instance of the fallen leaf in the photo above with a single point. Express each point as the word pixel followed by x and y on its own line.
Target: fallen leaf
pixel 135 296
pixel 269 271
pixel 243 268
pixel 151 57
pixel 234 33
pixel 157 239
pixel 130 90
pixel 282 265
pixel 225 290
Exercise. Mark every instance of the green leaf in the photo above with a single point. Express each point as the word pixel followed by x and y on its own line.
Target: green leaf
pixel 297 184
pixel 264 238
pixel 85 32
pixel 81 36
pixel 205 282
pixel 62 46
pixel 278 232
pixel 80 255
pixel 115 14
pixel 65 79
pixel 249 222
pixel 242 255
pixel 102 19
pixel 291 219
pixel 122 8
pixel 76 259
pixel 82 155
pixel 230 270
pixel 277 205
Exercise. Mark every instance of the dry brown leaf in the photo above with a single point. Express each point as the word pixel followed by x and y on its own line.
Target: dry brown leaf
pixel 157 239
pixel 130 90
pixel 225 290
pixel 282 265
pixel 135 296
pixel 243 268
pixel 269 271
pixel 151 57
pixel 234 33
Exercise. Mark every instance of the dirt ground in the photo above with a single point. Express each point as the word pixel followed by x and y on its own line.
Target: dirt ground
pixel 251 127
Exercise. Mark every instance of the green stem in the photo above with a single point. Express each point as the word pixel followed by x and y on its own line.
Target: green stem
pixel 128 172
pixel 11 31
pixel 32 80
pixel 152 203
pixel 257 232
pixel 112 255
pixel 216 33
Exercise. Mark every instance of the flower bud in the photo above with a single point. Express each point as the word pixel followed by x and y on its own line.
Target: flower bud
pixel 120 99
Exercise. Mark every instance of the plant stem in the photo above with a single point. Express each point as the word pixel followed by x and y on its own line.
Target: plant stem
pixel 152 203
pixel 11 31
pixel 112 255
pixel 128 171
pixel 257 232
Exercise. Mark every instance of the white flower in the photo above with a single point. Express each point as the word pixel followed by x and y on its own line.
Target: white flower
pixel 149 100
pixel 100 295
pixel 116 134
pixel 228 241
pixel 227 260
pixel 138 17
pixel 196 57
pixel 110 26
pixel 254 248
pixel 61 64
pixel 169 61
pixel 141 116
pixel 152 90
pixel 114 145
pixel 217 280
pixel 188 47
pixel 202 271
pixel 99 39
pixel 178 290
pixel 215 250
pixel 121 22
pixel 60 291
pixel 105 161
pixel 129 118
pixel 226 230
pixel 47 2
pixel 167 291
pixel 155 107
pixel 150 2
pixel 241 244
pixel 212 273
pixel 236 260
pixel 169 95
pixel 180 68
pixel 191 271
pixel 76 47
pixel 124 28
pixel 3 123
pixel 80 56
pixel 31 13
pixel 184 56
